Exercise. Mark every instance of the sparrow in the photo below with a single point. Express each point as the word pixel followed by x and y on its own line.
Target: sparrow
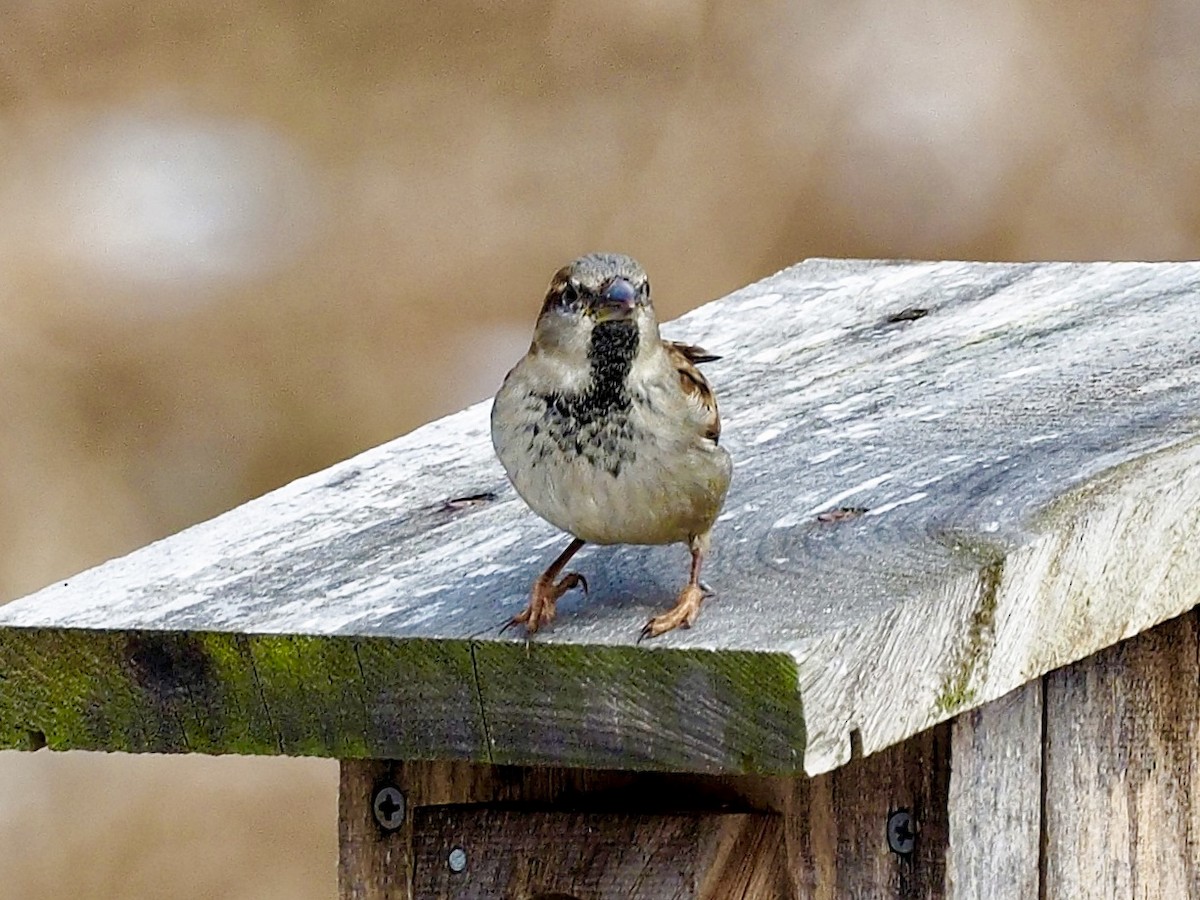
pixel 610 433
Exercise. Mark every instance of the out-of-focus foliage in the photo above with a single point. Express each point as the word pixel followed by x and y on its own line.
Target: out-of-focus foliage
pixel 239 242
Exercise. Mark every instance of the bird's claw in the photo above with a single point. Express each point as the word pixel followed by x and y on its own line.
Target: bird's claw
pixel 681 615
pixel 541 608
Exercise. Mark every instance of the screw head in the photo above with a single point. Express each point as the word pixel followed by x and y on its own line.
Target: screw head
pixel 457 860
pixel 901 832
pixel 389 807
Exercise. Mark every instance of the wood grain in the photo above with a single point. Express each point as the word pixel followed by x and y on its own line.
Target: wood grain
pixel 1022 466
pixel 612 708
pixel 598 856
pixel 170 692
pixel 995 799
pixel 744 855
pixel 373 864
pixel 1122 770
pixel 837 824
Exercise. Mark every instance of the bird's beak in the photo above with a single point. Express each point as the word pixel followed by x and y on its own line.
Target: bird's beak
pixel 617 301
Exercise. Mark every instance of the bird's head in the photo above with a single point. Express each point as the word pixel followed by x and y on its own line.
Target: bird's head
pixel 599 296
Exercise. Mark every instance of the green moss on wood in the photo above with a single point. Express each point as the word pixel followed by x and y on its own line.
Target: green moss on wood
pixel 633 708
pixel 349 697
pixel 210 692
pixel 957 690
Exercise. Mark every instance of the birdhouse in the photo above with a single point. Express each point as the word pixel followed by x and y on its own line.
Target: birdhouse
pixel 949 646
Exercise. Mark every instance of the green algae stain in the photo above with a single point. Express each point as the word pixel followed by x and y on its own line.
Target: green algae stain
pixel 768 734
pixel 210 692
pixel 956 691
pixel 360 697
pixel 626 707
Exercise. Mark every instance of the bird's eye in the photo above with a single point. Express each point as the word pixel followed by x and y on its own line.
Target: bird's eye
pixel 644 290
pixel 569 293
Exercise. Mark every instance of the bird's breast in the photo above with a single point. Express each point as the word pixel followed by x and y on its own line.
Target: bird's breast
pixel 610 469
pixel 596 432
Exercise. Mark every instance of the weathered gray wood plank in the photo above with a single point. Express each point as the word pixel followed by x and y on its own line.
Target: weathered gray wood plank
pixel 1023 439
pixel 605 707
pixel 1122 770
pixel 218 692
pixel 995 799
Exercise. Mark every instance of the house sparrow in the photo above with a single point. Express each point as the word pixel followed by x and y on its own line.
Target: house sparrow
pixel 609 432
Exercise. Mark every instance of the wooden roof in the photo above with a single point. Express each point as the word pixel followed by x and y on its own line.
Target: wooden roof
pixel 950 478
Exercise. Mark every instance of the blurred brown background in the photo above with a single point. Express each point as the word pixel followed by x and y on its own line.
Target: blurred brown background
pixel 239 242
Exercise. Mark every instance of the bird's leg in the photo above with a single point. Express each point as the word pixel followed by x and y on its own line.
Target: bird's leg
pixel 546 591
pixel 687 605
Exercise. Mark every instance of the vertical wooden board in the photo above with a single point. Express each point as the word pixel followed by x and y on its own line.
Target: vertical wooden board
pixel 373 864
pixel 995 799
pixel 630 708
pixel 1122 770
pixel 473 853
pixel 837 824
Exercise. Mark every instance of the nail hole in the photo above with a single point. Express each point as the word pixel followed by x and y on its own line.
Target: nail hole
pixel 841 514
pixel 471 502
pixel 911 314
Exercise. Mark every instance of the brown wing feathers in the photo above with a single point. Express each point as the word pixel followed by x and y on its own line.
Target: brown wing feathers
pixel 693 353
pixel 694 384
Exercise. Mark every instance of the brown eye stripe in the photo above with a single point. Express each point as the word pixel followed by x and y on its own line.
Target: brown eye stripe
pixel 558 284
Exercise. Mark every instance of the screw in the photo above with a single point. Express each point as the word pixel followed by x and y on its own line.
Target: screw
pixel 389 807
pixel 457 860
pixel 901 832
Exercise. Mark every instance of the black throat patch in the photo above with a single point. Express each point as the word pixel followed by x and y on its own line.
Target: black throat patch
pixel 613 347
pixel 594 423
pixel 614 344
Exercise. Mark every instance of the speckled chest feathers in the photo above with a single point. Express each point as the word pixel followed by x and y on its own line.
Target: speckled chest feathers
pixel 595 423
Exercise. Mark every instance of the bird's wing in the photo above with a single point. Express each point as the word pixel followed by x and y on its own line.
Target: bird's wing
pixel 693 353
pixel 695 386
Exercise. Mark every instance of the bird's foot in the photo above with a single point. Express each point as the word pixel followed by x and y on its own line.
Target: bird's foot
pixel 684 613
pixel 542 600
